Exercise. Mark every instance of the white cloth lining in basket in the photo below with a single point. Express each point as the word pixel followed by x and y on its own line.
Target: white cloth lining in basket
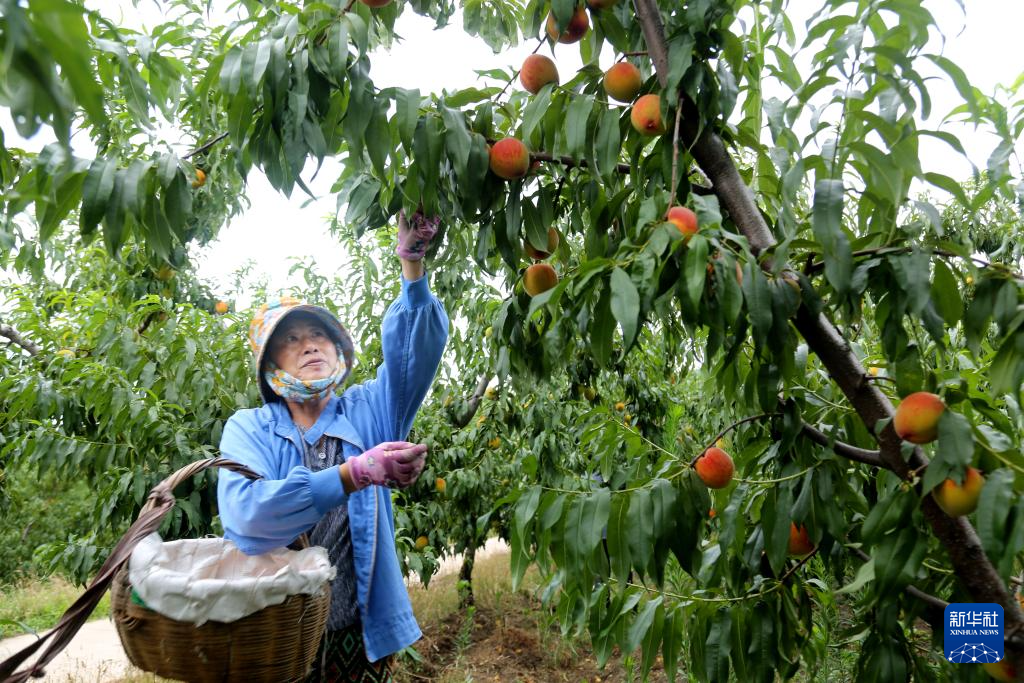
pixel 210 579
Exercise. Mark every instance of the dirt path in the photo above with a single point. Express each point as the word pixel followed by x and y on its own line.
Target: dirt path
pixel 96 656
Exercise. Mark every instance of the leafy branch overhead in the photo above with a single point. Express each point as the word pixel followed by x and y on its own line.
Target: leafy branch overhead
pixel 756 353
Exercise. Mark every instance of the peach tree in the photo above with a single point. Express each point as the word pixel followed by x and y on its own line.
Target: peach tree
pixel 815 255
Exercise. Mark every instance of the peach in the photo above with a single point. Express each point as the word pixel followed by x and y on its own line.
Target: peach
pixel 715 468
pixel 375 3
pixel 540 277
pixel 579 24
pixel 646 115
pixel 1002 670
pixel 799 542
pixel 917 417
pixel 421 542
pixel 510 159
pixel 221 307
pixel 601 4
pixel 957 500
pixel 440 485
pixel 623 82
pixel 536 72
pixel 684 219
pixel 537 254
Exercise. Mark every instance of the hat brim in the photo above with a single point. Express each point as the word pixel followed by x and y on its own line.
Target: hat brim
pixel 330 323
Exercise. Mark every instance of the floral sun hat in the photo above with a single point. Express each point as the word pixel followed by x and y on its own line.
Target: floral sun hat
pixel 270 315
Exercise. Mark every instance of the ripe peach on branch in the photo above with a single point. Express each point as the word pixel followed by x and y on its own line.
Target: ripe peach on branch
pixel 622 82
pixel 917 417
pixel 539 278
pixel 715 468
pixel 646 115
pixel 509 159
pixel 579 24
pixel 536 72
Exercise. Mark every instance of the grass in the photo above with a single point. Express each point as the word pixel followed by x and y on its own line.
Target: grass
pixel 36 605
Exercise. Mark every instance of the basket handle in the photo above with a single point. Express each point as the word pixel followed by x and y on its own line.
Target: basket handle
pixel 158 504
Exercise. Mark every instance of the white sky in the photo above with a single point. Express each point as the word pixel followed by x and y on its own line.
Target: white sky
pixel 275 227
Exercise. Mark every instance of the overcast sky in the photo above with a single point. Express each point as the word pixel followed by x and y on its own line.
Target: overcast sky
pixel 984 43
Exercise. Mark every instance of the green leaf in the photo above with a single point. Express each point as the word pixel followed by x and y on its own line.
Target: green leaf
pixel 865 575
pixel 995 509
pixel 1007 369
pixel 68 195
pixel 114 216
pixel 359 30
pixel 457 139
pixel 254 64
pixel 638 629
pixel 718 646
pixel 652 640
pixel 607 144
pixel 576 118
pixel 775 520
pixel 695 269
pixel 96 191
pixel 407 113
pixel 338 51
pixel 602 327
pixel 641 540
pixel 954 450
pixel 595 511
pixel 827 222
pixel 526 507
pixel 625 305
pixel 460 98
pixel 62 28
pixel 672 640
pixel 535 111
pixel 758 298
pixel 946 183
pixel 946 294
pixel 231 71
pixel 619 532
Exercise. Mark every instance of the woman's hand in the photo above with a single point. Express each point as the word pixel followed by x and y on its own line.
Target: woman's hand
pixel 414 235
pixel 396 464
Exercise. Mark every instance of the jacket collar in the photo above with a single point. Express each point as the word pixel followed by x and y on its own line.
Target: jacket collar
pixel 331 422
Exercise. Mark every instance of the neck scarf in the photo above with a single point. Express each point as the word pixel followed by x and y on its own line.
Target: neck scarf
pixel 292 388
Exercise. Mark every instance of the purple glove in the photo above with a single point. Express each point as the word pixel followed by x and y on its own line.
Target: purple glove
pixel 392 463
pixel 415 234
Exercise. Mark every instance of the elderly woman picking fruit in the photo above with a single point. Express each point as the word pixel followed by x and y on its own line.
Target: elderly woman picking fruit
pixel 328 455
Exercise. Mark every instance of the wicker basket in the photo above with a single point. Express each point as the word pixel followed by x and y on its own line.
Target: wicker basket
pixel 274 645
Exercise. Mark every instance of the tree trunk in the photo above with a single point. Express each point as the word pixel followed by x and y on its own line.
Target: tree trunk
pixel 466 598
pixel 973 568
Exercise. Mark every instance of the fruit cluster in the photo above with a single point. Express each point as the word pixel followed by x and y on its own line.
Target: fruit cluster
pixel 510 158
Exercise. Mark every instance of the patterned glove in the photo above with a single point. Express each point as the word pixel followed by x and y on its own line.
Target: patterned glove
pixel 414 235
pixel 392 463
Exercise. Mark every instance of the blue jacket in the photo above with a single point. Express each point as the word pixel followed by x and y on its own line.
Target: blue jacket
pixel 270 513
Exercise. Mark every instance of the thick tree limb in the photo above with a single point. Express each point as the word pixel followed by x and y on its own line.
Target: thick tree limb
pixel 16 338
pixel 844 449
pixel 474 402
pixel 972 567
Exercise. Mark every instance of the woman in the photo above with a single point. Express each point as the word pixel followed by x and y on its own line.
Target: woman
pixel 327 460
